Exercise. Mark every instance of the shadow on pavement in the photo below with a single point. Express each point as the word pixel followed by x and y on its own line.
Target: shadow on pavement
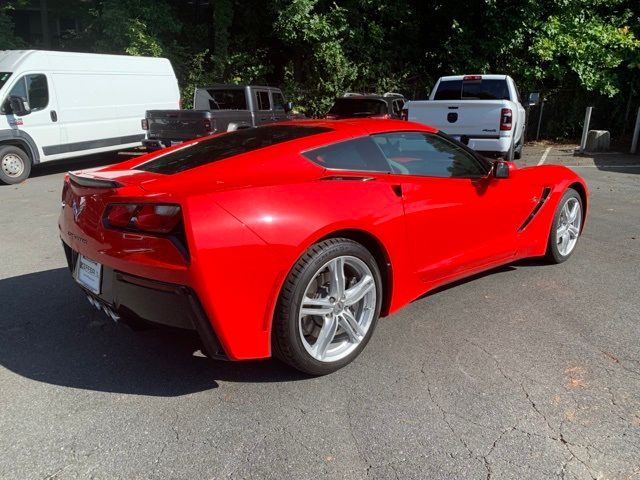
pixel 619 163
pixel 49 333
pixel 526 262
pixel 78 163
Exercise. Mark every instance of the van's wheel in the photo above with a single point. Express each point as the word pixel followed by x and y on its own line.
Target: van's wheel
pixel 328 307
pixel 15 165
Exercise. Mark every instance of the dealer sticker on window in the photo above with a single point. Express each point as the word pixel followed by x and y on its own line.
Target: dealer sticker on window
pixel 88 274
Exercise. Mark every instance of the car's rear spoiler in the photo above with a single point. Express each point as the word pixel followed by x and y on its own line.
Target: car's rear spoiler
pixel 92 182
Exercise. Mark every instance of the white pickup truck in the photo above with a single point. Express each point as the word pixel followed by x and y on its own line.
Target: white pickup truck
pixel 483 111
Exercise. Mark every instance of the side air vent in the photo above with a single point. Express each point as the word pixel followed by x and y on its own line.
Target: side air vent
pixel 543 198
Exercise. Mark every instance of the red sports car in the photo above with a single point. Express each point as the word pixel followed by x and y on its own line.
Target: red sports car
pixel 292 239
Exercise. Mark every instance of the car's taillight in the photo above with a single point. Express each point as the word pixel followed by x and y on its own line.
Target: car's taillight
pixel 209 126
pixel 65 188
pixel 404 114
pixel 151 218
pixel 145 124
pixel 506 118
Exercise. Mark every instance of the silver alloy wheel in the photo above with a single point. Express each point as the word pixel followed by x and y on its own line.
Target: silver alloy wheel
pixel 568 229
pixel 337 309
pixel 12 165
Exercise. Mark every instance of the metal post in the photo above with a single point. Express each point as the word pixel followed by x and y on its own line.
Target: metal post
pixel 539 120
pixel 636 134
pixel 585 128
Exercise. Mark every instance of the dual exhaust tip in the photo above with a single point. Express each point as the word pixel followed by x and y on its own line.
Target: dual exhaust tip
pixel 98 305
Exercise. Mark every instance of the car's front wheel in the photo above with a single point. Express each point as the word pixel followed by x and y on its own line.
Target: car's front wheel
pixel 566 227
pixel 328 307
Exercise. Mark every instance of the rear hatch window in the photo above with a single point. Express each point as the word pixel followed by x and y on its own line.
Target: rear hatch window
pixel 225 146
pixel 472 90
pixel 358 107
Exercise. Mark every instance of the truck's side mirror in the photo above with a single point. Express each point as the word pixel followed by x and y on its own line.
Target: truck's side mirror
pixel 534 99
pixel 500 169
pixel 18 106
pixel 288 107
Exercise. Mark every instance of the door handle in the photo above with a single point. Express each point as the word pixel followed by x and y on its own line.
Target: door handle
pixel 397 189
pixel 54 116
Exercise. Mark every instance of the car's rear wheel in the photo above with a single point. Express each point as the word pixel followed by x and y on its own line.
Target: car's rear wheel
pixel 566 227
pixel 15 165
pixel 328 307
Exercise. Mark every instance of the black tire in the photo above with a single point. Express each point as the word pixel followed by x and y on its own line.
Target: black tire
pixel 517 154
pixel 287 344
pixel 15 165
pixel 510 154
pixel 553 254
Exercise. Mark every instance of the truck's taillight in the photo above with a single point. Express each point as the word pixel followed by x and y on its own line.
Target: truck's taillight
pixel 404 114
pixel 152 218
pixel 145 124
pixel 209 126
pixel 472 78
pixel 506 117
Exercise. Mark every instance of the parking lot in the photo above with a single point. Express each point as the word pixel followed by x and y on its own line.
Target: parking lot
pixel 528 371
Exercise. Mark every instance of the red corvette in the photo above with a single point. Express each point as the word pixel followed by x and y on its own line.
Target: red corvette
pixel 292 239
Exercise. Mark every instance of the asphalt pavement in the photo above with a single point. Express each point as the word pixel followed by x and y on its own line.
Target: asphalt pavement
pixel 530 371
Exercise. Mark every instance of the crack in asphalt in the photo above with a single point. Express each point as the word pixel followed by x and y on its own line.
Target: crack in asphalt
pixel 560 436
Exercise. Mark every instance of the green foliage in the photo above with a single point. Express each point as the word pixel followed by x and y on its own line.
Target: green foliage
pixel 588 42
pixel 8 39
pixel 318 49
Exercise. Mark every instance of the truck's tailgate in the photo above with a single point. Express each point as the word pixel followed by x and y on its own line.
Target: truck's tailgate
pixel 460 117
pixel 178 125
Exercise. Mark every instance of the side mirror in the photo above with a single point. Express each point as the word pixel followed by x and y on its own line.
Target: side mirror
pixel 18 106
pixel 534 99
pixel 288 107
pixel 500 169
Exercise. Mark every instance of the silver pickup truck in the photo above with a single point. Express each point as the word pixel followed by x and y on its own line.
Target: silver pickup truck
pixel 218 108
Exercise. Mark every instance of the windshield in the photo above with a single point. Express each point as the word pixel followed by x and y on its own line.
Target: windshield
pixel 358 107
pixel 4 76
pixel 225 146
pixel 472 90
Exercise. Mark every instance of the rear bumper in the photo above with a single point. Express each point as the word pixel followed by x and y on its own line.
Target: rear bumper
pixel 490 146
pixel 136 298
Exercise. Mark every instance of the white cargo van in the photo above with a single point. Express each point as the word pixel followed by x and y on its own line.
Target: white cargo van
pixel 56 105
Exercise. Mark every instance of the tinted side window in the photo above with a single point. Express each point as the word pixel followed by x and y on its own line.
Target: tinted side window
pixel 278 101
pixel 32 89
pixel 425 154
pixel 360 154
pixel 18 90
pixel 227 99
pixel 263 100
pixel 37 91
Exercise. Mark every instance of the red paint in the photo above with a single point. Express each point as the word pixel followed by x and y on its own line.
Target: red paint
pixel 248 219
